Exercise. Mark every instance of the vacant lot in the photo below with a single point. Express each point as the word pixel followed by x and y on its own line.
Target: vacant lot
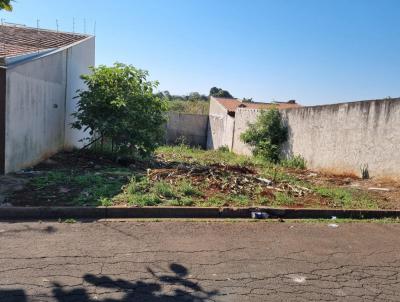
pixel 182 176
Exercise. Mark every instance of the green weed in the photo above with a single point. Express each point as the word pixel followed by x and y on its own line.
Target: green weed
pixel 164 189
pixel 185 202
pixel 50 178
pixel 137 185
pixel 240 200
pixel 106 202
pixel 345 198
pixel 187 189
pixel 283 199
pixel 214 201
pixel 144 200
pixel 296 162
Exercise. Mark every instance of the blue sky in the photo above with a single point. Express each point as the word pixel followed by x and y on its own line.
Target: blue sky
pixel 314 51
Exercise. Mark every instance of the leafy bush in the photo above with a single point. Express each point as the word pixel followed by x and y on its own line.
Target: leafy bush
pixel 119 104
pixel 6 5
pixel 296 162
pixel 266 135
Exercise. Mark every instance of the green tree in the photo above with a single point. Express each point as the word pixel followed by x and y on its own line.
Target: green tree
pixel 119 104
pixel 6 5
pixel 266 135
pixel 219 92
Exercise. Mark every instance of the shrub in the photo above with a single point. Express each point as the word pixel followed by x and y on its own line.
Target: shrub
pixel 266 135
pixel 119 104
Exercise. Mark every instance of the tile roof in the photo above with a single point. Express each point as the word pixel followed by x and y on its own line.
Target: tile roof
pixel 232 104
pixel 20 40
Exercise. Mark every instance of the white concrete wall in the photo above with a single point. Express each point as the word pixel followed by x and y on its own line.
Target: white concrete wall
pixel 220 126
pixel 339 138
pixel 35 97
pixel 79 58
pixel 39 103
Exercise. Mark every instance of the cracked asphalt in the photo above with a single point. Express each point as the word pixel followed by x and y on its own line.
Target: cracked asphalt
pixel 199 261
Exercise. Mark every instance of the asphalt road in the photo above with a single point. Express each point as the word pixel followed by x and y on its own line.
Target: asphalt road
pixel 199 261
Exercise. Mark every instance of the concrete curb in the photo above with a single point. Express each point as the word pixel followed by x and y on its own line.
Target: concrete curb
pixel 54 213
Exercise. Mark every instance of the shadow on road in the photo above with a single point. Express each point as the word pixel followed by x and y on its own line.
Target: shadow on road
pixel 26 229
pixel 129 291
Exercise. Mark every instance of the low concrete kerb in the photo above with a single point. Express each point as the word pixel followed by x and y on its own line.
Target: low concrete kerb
pixel 54 213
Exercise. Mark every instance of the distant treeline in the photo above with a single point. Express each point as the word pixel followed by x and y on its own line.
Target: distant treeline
pixel 194 102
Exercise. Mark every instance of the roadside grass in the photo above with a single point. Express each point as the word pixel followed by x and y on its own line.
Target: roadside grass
pixel 141 192
pixel 89 188
pixel 50 178
pixel 283 199
pixel 346 198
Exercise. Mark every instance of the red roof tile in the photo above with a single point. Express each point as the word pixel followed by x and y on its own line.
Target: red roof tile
pixel 20 40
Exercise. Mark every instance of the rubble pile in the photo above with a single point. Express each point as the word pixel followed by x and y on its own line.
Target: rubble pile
pixel 221 178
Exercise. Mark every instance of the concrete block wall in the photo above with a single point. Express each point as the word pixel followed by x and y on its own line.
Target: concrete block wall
pixel 339 138
pixel 192 127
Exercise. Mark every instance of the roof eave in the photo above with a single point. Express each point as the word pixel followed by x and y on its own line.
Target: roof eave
pixel 5 61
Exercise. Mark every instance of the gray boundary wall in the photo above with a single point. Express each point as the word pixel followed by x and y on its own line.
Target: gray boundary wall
pixel 339 138
pixel 191 127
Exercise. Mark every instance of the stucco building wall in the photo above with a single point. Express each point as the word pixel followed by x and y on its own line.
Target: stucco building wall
pixel 39 102
pixel 339 138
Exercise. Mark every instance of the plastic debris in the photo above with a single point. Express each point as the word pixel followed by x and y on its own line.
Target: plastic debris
pixel 297 278
pixel 267 181
pixel 64 190
pixel 259 215
pixel 333 225
pixel 379 189
pixel 28 172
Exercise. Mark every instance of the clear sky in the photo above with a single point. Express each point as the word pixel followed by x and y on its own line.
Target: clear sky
pixel 314 51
